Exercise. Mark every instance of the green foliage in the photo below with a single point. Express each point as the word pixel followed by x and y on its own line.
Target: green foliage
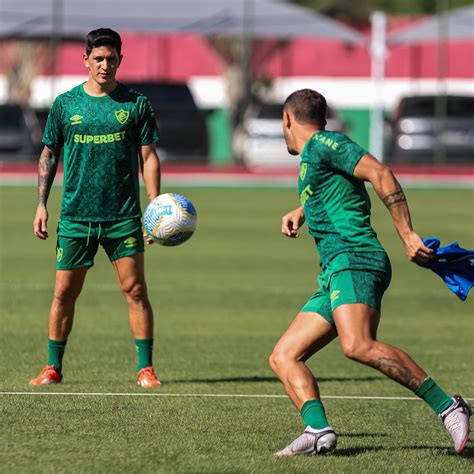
pixel 358 11
pixel 221 302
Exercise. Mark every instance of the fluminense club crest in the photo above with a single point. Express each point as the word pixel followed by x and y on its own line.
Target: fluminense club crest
pixel 122 115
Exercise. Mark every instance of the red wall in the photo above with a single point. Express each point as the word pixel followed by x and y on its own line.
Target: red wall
pixel 177 57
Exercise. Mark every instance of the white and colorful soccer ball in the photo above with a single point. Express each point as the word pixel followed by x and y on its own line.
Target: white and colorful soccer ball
pixel 170 219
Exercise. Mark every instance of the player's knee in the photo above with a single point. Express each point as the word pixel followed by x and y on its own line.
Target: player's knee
pixel 278 360
pixel 134 292
pixel 350 352
pixel 356 350
pixel 65 294
pixel 272 362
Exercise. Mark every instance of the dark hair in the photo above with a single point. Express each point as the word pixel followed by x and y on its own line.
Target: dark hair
pixel 103 37
pixel 308 106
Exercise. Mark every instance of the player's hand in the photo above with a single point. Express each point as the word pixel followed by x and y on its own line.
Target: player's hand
pixel 416 250
pixel 148 240
pixel 40 223
pixel 291 222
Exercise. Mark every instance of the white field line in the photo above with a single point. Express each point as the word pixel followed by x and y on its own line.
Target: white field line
pixel 288 290
pixel 197 395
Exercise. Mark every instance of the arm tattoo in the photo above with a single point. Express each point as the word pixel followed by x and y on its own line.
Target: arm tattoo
pixel 394 198
pixel 396 371
pixel 48 164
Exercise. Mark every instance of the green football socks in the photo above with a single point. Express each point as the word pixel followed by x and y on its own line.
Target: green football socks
pixel 314 415
pixel 434 396
pixel 144 350
pixel 55 353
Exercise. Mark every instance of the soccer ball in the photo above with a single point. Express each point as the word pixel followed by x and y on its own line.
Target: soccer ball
pixel 170 219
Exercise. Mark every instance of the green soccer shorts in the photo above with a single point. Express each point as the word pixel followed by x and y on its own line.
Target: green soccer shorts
pixel 78 241
pixel 351 285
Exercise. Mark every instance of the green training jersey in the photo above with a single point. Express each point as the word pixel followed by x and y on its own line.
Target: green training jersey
pixel 101 137
pixel 336 205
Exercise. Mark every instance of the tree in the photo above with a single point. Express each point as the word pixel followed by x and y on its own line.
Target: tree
pixel 358 11
pixel 26 58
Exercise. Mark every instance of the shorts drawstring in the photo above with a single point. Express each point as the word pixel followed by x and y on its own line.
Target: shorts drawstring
pixel 89 233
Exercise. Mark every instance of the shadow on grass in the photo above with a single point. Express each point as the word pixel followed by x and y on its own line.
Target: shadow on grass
pixel 349 452
pixel 355 451
pixel 362 435
pixel 468 451
pixel 257 379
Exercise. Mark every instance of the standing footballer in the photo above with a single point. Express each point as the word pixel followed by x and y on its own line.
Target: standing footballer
pixel 104 130
pixel 355 272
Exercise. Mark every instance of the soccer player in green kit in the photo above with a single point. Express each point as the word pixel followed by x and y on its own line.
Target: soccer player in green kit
pixel 105 130
pixel 355 272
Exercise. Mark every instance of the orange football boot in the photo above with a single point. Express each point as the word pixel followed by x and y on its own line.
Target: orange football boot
pixel 49 375
pixel 147 378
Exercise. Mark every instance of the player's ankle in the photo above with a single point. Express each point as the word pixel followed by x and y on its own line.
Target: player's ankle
pixel 314 415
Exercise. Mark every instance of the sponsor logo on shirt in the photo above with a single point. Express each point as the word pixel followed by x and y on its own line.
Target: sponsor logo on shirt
pixel 305 194
pixel 99 139
pixel 130 242
pixel 122 116
pixel 76 119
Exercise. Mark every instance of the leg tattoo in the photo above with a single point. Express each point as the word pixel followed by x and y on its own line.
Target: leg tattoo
pixel 396 371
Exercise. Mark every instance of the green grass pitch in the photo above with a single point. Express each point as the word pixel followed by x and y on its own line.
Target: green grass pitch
pixel 221 301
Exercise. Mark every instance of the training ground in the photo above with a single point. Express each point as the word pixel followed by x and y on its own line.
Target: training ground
pixel 221 301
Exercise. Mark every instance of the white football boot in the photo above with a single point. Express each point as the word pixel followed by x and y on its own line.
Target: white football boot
pixel 456 420
pixel 311 442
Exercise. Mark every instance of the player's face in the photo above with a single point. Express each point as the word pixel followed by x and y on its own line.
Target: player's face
pixel 103 63
pixel 288 119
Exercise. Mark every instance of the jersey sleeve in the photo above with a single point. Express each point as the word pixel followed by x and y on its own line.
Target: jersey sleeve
pixel 343 155
pixel 53 133
pixel 147 126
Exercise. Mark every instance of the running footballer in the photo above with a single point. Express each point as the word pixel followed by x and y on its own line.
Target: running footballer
pixel 355 273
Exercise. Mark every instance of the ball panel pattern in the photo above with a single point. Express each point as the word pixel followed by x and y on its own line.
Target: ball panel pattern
pixel 185 204
pixel 170 219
